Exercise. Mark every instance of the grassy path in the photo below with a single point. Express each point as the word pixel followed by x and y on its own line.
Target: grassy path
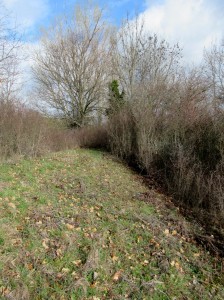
pixel 78 225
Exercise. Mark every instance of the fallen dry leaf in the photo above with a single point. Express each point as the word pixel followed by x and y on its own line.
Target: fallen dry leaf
pixel 196 254
pixel 44 244
pixel 177 265
pixel 145 262
pixel 65 270
pixel 4 290
pixel 59 252
pixel 139 239
pixel 117 276
pixel 166 231
pixel 30 267
pixel 75 275
pixel 114 258
pixel 70 227
pixel 59 275
pixel 12 205
pixel 77 262
pixel 172 263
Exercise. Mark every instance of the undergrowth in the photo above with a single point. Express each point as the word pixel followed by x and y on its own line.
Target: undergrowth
pixel 79 225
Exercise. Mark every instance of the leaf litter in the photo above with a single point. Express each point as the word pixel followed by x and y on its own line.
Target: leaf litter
pixel 95 231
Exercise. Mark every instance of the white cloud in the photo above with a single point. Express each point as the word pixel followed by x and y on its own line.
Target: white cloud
pixel 27 12
pixel 194 24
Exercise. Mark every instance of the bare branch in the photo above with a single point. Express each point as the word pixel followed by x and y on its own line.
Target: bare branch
pixel 70 68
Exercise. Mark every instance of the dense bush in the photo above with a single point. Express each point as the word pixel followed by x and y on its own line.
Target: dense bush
pixel 92 136
pixel 183 143
pixel 25 132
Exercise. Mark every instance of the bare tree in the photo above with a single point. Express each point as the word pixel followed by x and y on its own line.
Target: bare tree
pixel 9 58
pixel 214 60
pixel 147 69
pixel 140 60
pixel 70 66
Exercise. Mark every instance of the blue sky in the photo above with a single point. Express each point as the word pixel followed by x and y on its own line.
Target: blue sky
pixel 195 24
pixel 33 14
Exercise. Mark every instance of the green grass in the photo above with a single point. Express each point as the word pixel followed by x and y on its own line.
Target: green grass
pixel 75 225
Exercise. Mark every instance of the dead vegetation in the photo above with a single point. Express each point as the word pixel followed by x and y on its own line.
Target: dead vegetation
pixel 113 240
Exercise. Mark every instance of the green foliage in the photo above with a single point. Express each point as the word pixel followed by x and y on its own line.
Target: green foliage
pixel 116 98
